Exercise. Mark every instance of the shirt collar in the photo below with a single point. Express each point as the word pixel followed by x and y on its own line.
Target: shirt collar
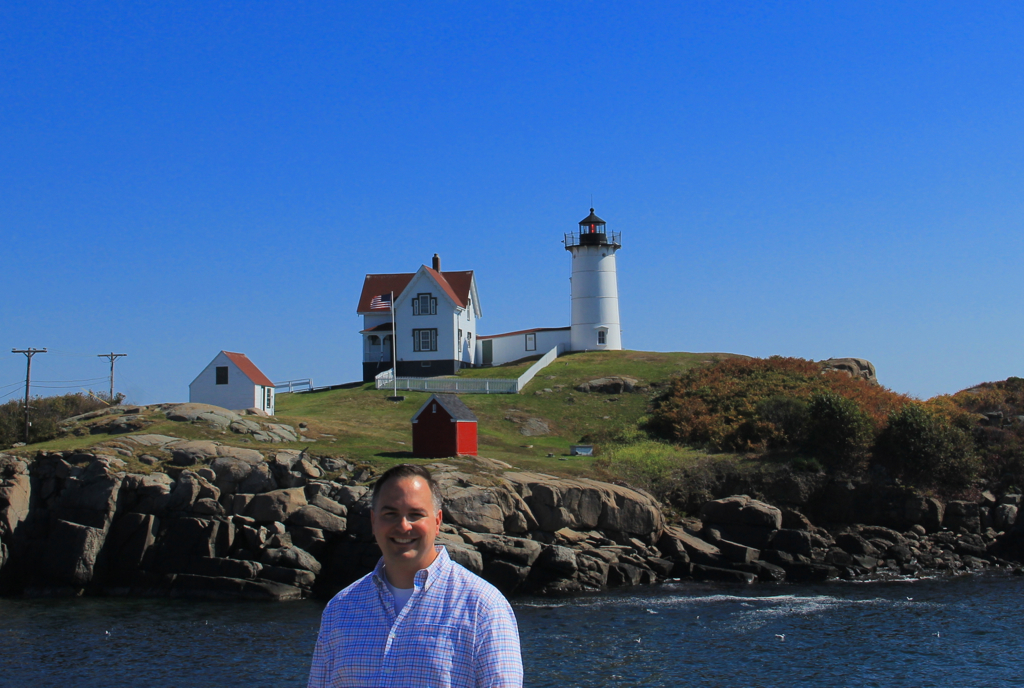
pixel 424 577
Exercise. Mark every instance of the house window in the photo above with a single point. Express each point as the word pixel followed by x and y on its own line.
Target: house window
pixel 424 304
pixel 270 399
pixel 222 375
pixel 600 337
pixel 531 341
pixel 424 340
pixel 460 340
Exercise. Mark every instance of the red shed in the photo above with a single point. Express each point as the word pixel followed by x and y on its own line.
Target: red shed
pixel 443 427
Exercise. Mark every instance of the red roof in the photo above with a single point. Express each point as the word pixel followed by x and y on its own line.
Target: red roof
pixel 249 368
pixel 383 327
pixel 375 285
pixel 534 329
pixel 455 284
pixel 443 281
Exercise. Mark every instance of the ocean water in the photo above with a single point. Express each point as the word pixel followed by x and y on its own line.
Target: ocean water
pixel 966 631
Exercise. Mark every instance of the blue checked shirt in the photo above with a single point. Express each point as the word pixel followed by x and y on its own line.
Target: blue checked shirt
pixel 456 631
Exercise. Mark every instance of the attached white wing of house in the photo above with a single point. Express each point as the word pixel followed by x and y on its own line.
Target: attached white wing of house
pixel 234 382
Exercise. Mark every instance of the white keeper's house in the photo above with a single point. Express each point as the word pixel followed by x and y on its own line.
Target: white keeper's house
pixel 436 314
pixel 234 382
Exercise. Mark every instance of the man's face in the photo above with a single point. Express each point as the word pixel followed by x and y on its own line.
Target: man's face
pixel 405 524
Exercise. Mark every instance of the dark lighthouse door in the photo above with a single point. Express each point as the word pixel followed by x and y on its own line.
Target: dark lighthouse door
pixel 487 352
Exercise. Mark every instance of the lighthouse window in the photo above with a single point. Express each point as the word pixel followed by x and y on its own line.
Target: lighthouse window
pixel 531 342
pixel 424 304
pixel 600 337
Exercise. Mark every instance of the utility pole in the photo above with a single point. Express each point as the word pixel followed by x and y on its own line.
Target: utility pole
pixel 113 357
pixel 29 353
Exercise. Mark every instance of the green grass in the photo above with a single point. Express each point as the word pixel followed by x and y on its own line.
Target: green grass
pixel 647 463
pixel 509 371
pixel 368 427
pixel 361 425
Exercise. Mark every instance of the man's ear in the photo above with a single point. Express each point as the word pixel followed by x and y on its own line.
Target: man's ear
pixel 439 517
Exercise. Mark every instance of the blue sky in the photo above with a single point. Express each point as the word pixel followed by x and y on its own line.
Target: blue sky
pixel 804 179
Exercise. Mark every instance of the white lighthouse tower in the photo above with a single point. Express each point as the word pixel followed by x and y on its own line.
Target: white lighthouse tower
pixel 595 287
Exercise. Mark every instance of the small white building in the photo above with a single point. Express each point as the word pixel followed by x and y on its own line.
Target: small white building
pixel 233 382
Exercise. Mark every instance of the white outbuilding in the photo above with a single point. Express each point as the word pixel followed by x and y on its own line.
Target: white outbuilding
pixel 232 381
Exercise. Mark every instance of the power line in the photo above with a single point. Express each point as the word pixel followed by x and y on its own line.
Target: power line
pixel 13 391
pixel 91 379
pixel 19 382
pixel 29 353
pixel 70 353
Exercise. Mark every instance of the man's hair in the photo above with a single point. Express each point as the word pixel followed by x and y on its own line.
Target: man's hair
pixel 407 470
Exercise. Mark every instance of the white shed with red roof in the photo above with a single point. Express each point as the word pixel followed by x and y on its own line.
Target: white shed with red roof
pixel 234 382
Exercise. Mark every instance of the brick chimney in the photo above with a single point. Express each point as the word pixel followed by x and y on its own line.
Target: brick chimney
pixel 437 263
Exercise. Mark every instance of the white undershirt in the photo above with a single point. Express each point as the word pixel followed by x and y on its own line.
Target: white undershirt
pixel 401 595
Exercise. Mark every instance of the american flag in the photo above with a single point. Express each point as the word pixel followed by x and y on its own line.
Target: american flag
pixel 380 302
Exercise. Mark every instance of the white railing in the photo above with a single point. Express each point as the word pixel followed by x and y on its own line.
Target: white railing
pixel 305 385
pixel 542 363
pixel 465 385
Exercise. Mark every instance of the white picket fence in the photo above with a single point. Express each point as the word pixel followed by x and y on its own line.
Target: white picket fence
pixel 457 385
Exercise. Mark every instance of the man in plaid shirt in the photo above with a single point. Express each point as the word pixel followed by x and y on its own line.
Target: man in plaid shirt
pixel 419 619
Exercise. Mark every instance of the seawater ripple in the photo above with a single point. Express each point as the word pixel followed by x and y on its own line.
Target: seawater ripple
pixel 938 632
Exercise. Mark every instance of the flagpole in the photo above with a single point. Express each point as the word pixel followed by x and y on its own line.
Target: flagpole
pixel 394 348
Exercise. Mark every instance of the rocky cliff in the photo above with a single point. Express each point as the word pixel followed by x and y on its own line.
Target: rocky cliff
pixel 266 525
pixel 223 521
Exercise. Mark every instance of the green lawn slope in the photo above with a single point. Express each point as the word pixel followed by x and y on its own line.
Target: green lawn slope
pixel 359 423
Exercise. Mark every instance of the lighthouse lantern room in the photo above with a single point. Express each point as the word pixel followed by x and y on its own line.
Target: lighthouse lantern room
pixel 595 290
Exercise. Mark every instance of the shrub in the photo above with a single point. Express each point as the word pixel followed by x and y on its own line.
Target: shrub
pixel 925 448
pixel 839 432
pixel 46 415
pixel 806 464
pixel 757 404
pixel 788 416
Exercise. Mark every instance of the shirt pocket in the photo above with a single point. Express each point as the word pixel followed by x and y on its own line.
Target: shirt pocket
pixel 428 654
